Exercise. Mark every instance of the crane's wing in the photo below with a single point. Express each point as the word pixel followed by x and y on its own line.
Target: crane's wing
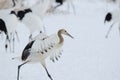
pixel 26 51
pixel 28 48
pixel 45 46
pixel 52 42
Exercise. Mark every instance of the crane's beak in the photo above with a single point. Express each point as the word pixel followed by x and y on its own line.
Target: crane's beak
pixel 70 35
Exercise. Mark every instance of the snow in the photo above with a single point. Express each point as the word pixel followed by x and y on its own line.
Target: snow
pixel 89 56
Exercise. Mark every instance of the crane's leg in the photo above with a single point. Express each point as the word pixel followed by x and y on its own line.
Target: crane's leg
pixel 43 64
pixel 48 73
pixel 19 69
pixel 109 30
pixel 17 36
pixel 7 42
pixel 13 42
pixel 6 45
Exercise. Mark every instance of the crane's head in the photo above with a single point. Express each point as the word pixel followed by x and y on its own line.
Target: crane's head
pixel 108 17
pixel 63 31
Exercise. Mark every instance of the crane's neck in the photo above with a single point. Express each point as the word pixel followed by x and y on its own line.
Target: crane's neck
pixel 61 39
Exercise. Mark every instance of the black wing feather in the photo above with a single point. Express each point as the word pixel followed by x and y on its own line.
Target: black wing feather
pixel 28 10
pixel 22 13
pixel 3 26
pixel 60 1
pixel 26 51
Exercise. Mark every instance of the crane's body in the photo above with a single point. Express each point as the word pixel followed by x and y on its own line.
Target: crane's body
pixel 10 20
pixel 9 23
pixel 32 21
pixel 41 48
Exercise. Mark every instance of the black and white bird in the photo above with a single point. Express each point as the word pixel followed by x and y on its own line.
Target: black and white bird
pixel 8 24
pixel 31 21
pixel 43 47
pixel 114 17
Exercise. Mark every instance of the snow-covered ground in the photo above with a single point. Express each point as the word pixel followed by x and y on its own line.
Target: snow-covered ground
pixel 89 56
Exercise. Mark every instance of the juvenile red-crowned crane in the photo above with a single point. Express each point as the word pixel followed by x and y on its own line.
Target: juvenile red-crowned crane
pixel 8 23
pixel 41 48
pixel 113 16
pixel 32 21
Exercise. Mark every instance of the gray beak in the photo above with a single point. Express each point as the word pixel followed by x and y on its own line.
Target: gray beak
pixel 70 35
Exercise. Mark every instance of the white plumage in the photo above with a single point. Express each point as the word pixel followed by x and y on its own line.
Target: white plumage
pixel 10 22
pixel 32 21
pixel 42 47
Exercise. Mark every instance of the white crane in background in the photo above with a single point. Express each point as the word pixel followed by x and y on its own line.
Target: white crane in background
pixel 32 21
pixel 32 14
pixel 8 24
